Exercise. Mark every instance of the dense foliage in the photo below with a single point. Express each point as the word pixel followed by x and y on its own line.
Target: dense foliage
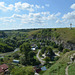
pixel 5 48
pixel 28 58
pixel 2 34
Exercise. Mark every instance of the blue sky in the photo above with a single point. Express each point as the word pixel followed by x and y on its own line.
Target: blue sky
pixel 26 14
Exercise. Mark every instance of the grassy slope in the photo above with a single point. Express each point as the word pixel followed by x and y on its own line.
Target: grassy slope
pixel 59 67
pixel 72 69
pixel 66 34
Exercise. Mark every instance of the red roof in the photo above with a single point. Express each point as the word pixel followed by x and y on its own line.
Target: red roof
pixel 38 70
pixel 3 67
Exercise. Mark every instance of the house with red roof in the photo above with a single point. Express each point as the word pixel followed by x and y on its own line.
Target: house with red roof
pixel 3 69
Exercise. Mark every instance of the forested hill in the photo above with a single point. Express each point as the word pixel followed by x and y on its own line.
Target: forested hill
pixel 2 34
pixel 64 36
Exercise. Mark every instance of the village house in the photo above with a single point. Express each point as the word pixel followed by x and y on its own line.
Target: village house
pixel 16 61
pixel 3 69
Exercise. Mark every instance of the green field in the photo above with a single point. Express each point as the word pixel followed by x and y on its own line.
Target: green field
pixel 72 69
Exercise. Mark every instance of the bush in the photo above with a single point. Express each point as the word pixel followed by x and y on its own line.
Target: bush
pixel 55 45
pixel 43 50
pixel 65 50
pixel 56 58
pixel 40 54
pixel 16 56
pixel 47 59
pixel 60 48
pixel 23 60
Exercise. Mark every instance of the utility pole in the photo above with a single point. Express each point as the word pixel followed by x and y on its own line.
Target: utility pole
pixel 70 25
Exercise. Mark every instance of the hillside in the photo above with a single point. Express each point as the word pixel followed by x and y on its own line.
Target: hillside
pixel 59 67
pixel 64 36
pixel 2 34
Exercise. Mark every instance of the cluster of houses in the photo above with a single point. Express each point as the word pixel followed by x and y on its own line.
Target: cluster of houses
pixel 37 69
pixel 4 69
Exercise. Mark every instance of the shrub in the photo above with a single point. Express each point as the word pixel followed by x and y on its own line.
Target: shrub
pixel 56 58
pixel 65 50
pixel 60 48
pixel 16 56
pixel 47 59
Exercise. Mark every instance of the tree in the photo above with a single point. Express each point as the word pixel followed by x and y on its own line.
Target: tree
pixel 49 52
pixel 39 46
pixel 31 54
pixel 60 48
pixel 31 59
pixel 23 60
pixel 5 48
pixel 26 48
pixel 43 50
pixel 16 55
pixel 47 59
pixel 65 50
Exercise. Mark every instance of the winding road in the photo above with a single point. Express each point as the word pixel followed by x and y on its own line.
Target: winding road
pixel 42 62
pixel 4 54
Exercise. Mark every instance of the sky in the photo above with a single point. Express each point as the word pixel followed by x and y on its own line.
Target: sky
pixel 26 14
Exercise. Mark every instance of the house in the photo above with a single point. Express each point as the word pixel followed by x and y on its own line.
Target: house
pixel 33 49
pixel 38 70
pixel 3 69
pixel 43 68
pixel 16 61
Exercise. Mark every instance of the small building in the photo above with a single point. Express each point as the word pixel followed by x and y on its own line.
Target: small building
pixel 43 68
pixel 33 49
pixel 38 70
pixel 3 69
pixel 16 61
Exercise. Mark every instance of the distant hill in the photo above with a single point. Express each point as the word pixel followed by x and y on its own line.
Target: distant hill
pixel 2 34
pixel 64 36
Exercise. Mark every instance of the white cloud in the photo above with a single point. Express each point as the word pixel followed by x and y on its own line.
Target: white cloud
pixel 32 18
pixel 60 21
pixel 58 14
pixel 45 13
pixel 23 6
pixel 20 6
pixel 39 18
pixel 16 16
pixel 72 6
pixel 37 6
pixel 47 5
pixel 42 7
pixel 5 8
pixel 7 19
pixel 69 15
pixel 67 18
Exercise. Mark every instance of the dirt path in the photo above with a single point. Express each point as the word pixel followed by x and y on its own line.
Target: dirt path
pixel 66 70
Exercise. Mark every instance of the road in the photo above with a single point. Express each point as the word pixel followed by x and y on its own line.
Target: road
pixel 4 54
pixel 42 62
